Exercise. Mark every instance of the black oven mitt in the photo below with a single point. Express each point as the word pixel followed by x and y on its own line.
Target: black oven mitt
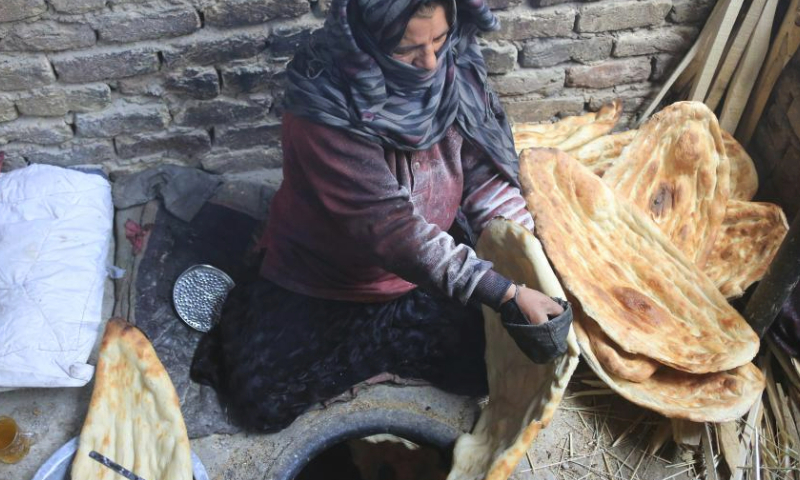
pixel 541 343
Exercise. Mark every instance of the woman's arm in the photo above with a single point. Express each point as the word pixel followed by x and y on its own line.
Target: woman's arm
pixel 488 195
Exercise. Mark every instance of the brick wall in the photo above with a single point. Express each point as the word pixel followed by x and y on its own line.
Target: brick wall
pixel 132 83
pixel 776 144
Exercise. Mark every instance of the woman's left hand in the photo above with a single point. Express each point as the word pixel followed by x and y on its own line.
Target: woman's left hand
pixel 535 305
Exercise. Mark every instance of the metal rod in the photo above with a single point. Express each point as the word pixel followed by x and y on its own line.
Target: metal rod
pixel 778 283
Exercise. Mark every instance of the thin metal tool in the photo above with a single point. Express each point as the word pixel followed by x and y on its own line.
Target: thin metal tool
pixel 114 466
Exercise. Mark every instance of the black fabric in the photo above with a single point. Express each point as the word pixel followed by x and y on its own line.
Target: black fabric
pixel 184 190
pixel 541 343
pixel 785 331
pixel 275 352
pixel 217 236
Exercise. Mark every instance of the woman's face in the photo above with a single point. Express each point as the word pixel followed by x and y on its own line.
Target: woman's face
pixel 424 37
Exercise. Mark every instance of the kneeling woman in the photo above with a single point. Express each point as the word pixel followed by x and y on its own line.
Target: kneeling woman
pixel 390 133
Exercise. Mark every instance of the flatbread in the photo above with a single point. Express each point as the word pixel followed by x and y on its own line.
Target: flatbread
pixel 676 170
pixel 711 397
pixel 570 132
pixel 750 236
pixel 647 296
pixel 134 416
pixel 601 153
pixel 616 361
pixel 523 396
pixel 744 179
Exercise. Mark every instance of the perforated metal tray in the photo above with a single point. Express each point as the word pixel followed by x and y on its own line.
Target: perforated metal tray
pixel 198 295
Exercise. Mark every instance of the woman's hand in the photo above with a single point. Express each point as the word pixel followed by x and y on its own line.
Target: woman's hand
pixel 535 305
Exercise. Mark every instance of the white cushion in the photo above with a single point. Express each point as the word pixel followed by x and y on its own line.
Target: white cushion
pixel 55 228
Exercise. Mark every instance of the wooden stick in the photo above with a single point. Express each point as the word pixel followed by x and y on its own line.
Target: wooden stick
pixel 751 426
pixel 772 395
pixel 790 430
pixel 660 437
pixel 744 78
pixel 708 453
pixel 786 362
pixel 733 53
pixel 628 430
pixel 786 43
pixel 729 445
pixel 699 45
pixel 686 78
pixel 686 432
pixel 712 55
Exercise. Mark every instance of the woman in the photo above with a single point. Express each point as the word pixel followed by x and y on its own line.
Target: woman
pixel 390 128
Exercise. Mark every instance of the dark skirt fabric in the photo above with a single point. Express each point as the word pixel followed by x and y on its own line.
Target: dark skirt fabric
pixel 786 329
pixel 275 353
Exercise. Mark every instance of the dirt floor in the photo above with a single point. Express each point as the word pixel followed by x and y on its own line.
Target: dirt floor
pixel 595 434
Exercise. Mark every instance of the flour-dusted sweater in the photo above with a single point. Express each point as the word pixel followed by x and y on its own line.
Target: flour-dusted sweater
pixel 356 221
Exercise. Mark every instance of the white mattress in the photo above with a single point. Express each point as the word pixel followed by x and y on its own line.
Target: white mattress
pixel 55 228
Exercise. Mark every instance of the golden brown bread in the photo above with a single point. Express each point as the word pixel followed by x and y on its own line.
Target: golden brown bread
pixel 134 416
pixel 676 171
pixel 710 397
pixel 647 296
pixel 601 153
pixel 570 132
pixel 618 362
pixel 523 396
pixel 744 179
pixel 750 236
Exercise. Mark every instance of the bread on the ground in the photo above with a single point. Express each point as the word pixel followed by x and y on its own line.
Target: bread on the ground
pixel 134 416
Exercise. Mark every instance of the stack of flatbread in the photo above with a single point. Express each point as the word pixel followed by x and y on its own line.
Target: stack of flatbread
pixel 134 417
pixel 650 323
pixel 692 178
pixel 651 251
pixel 569 134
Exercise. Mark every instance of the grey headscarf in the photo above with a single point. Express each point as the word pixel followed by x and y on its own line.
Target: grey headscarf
pixel 346 77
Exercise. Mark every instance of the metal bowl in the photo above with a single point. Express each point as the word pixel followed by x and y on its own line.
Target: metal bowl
pixel 198 295
pixel 57 466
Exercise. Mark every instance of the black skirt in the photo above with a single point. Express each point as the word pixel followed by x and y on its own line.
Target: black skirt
pixel 275 352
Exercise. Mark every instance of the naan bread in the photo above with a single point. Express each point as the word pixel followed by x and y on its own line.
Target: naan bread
pixel 677 171
pixel 710 397
pixel 647 296
pixel 744 179
pixel 616 361
pixel 523 396
pixel 750 236
pixel 569 133
pixel 601 153
pixel 134 416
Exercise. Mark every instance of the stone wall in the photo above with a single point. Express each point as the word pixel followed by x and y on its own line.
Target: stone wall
pixel 776 144
pixel 132 83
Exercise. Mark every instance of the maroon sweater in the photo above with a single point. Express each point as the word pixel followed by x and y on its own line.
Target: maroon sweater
pixel 356 221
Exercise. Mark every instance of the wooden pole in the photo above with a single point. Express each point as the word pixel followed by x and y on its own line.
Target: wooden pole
pixel 688 59
pixel 734 53
pixel 783 48
pixel 722 27
pixel 744 78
